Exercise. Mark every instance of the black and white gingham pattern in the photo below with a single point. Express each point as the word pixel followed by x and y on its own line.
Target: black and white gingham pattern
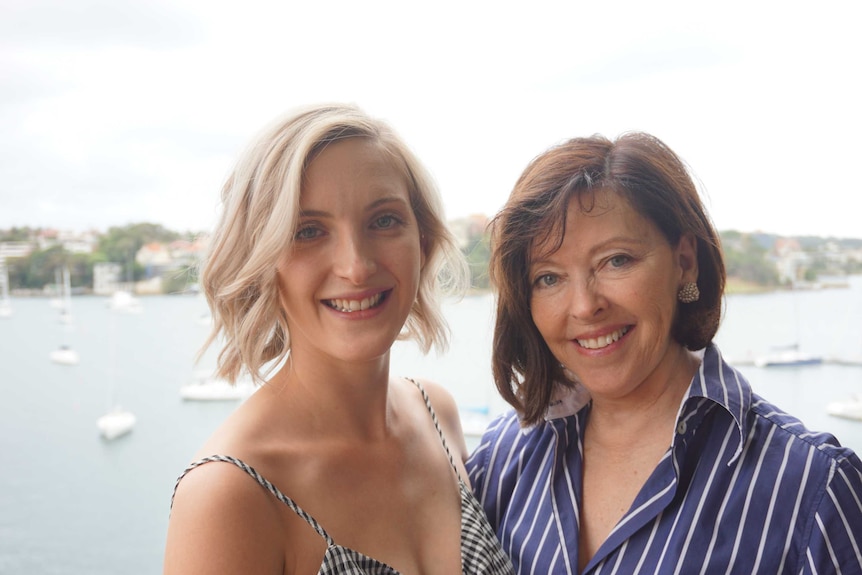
pixel 343 561
pixel 480 551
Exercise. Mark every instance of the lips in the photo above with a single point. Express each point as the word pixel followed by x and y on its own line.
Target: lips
pixel 602 340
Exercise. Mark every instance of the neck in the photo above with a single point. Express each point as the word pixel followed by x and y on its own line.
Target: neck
pixel 648 413
pixel 349 400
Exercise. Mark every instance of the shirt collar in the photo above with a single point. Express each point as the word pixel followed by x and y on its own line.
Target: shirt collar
pixel 722 385
pixel 566 401
pixel 715 380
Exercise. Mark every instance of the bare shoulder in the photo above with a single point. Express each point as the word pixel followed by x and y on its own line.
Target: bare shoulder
pixel 223 521
pixel 447 413
pixel 441 400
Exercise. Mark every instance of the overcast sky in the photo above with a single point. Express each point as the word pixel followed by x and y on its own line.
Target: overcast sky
pixel 123 111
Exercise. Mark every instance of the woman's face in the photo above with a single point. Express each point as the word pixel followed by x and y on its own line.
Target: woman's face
pixel 349 281
pixel 605 301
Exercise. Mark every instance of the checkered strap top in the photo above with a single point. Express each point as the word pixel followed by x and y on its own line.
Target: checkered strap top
pixel 480 549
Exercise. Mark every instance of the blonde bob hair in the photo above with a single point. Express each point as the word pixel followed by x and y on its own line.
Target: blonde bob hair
pixel 260 208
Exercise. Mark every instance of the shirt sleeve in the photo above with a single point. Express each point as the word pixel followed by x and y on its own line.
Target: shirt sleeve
pixel 484 471
pixel 477 465
pixel 835 543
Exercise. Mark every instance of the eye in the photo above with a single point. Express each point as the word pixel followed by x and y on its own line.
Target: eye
pixel 546 280
pixel 306 233
pixel 386 221
pixel 619 260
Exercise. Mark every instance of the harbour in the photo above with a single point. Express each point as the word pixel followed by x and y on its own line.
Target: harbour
pixel 72 502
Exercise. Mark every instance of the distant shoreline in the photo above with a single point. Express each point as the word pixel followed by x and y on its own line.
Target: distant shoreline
pixel 734 286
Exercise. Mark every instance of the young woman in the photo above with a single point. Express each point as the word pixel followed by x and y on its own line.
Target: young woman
pixel 331 245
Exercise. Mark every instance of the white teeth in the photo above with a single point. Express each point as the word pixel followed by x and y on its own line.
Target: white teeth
pixel 350 305
pixel 602 341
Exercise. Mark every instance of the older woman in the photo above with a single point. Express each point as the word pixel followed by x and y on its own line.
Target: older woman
pixel 633 447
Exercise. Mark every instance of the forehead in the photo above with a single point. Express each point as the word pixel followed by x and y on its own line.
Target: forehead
pixel 352 171
pixel 352 174
pixel 352 157
pixel 589 217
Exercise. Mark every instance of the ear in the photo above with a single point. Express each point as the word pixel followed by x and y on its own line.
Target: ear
pixel 686 258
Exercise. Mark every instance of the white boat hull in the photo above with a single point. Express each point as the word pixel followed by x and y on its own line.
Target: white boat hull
pixel 850 409
pixel 123 301
pixel 116 423
pixel 209 389
pixel 65 356
pixel 788 359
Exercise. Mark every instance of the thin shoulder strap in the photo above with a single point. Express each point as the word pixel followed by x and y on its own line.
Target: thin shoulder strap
pixel 436 425
pixel 263 482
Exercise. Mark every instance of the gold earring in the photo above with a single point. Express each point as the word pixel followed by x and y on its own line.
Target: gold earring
pixel 689 293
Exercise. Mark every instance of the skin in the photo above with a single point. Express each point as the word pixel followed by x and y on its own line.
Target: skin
pixel 332 430
pixel 604 304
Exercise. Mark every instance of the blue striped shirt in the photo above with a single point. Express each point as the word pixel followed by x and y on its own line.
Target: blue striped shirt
pixel 743 488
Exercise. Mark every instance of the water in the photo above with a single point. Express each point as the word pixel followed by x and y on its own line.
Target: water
pixel 74 504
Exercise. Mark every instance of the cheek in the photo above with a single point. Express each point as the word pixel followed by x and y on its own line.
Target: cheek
pixel 287 284
pixel 411 261
pixel 663 311
pixel 546 316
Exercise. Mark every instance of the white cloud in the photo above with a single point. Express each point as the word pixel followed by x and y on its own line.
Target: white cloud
pixel 133 111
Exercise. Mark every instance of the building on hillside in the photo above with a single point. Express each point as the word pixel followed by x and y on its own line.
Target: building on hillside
pixel 71 241
pixel 169 267
pixel 15 249
pixel 106 278
pixel 155 258
pixel 790 261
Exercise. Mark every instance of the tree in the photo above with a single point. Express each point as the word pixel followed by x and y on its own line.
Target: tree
pixel 745 258
pixel 121 244
pixel 37 270
pixel 17 234
pixel 478 254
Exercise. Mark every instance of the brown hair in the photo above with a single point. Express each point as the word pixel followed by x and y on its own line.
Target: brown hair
pixel 654 180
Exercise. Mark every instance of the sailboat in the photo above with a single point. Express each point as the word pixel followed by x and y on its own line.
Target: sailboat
pixel 5 302
pixel 124 301
pixel 117 421
pixel 207 387
pixel 787 356
pixel 850 408
pixel 56 301
pixel 65 355
pixel 66 298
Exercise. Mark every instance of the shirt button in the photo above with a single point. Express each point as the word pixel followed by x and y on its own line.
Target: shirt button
pixel 681 428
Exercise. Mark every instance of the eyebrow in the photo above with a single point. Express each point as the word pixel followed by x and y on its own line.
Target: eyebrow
pixel 372 206
pixel 545 257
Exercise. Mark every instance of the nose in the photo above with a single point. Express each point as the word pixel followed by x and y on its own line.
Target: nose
pixel 355 259
pixel 586 300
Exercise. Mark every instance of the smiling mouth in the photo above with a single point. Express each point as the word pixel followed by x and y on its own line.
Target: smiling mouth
pixel 603 341
pixel 352 305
